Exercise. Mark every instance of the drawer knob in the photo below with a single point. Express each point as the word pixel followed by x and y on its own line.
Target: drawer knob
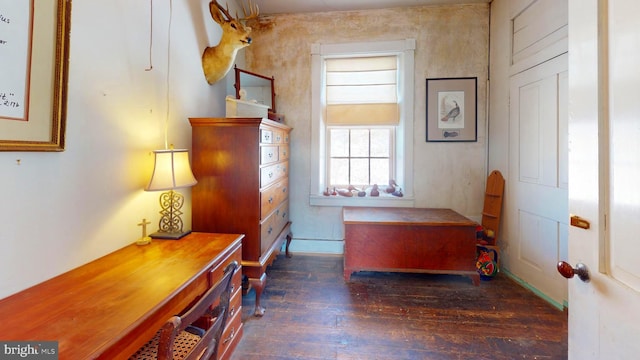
pixel 231 335
pixel 270 200
pixel 284 189
pixel 270 230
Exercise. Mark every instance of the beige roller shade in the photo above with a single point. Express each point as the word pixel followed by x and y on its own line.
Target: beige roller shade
pixel 362 91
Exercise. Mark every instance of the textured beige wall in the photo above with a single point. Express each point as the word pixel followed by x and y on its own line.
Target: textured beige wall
pixel 451 41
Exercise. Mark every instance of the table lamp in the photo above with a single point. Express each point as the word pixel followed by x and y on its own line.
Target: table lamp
pixel 171 171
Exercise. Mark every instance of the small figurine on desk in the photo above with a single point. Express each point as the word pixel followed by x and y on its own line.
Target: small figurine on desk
pixel 144 240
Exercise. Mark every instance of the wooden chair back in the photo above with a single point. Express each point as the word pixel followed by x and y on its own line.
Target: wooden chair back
pixel 492 211
pixel 204 315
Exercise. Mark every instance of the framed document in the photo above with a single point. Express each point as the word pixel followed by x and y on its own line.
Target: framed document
pixel 34 48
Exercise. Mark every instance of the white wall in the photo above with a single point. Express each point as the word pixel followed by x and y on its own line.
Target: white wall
pixel 61 210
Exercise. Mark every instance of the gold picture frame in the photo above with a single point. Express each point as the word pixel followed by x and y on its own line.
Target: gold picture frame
pixel 452 107
pixel 40 126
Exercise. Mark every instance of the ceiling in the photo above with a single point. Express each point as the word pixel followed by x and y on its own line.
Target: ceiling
pixel 270 7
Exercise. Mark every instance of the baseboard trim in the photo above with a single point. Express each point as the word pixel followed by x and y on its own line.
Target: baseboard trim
pixel 316 246
pixel 541 295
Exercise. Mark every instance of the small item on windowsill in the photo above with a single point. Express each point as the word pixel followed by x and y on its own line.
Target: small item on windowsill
pixel 392 187
pixel 375 191
pixel 398 193
pixel 359 192
pixel 326 192
pixel 334 193
pixel 345 192
pixel 144 240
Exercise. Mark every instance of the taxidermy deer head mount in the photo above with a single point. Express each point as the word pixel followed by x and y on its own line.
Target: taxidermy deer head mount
pixel 218 60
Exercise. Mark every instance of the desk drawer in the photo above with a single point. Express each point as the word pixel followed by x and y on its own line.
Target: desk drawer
pixel 231 335
pixel 235 305
pixel 216 273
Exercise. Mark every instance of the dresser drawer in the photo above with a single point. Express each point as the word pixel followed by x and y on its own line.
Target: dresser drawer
pixel 283 152
pixel 268 231
pixel 272 196
pixel 269 154
pixel 270 227
pixel 269 174
pixel 278 137
pixel 266 136
pixel 282 215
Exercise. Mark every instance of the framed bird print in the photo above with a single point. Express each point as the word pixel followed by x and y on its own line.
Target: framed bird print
pixel 452 105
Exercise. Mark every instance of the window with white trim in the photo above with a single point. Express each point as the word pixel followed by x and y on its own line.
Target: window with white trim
pixel 362 121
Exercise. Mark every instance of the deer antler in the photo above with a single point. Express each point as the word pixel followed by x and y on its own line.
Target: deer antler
pixel 254 11
pixel 224 11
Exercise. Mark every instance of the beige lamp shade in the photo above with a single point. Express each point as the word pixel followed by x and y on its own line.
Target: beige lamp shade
pixel 171 170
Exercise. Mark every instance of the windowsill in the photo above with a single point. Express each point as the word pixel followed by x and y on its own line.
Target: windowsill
pixel 382 201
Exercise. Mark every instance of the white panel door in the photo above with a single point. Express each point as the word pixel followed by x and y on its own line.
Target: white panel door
pixel 537 198
pixel 604 178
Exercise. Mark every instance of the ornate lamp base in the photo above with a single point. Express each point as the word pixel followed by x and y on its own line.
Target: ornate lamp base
pixel 170 225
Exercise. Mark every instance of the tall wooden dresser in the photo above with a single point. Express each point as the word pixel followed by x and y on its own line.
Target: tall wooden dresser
pixel 242 168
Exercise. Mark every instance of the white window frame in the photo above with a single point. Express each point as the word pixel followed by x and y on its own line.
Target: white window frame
pixel 405 50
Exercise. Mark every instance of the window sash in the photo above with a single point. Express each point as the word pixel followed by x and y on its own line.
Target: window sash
pixel 348 157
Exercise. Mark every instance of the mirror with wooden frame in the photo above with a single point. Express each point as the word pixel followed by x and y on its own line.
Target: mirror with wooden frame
pixel 255 87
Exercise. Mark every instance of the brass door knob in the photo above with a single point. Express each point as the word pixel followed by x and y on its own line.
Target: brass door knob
pixel 566 270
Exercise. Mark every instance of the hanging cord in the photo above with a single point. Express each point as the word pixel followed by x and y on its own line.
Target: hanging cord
pixel 150 38
pixel 166 125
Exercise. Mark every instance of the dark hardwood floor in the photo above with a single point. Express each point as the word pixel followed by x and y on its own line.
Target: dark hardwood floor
pixel 311 313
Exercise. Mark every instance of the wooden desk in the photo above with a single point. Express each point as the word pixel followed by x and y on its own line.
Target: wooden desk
pixel 409 240
pixel 108 308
